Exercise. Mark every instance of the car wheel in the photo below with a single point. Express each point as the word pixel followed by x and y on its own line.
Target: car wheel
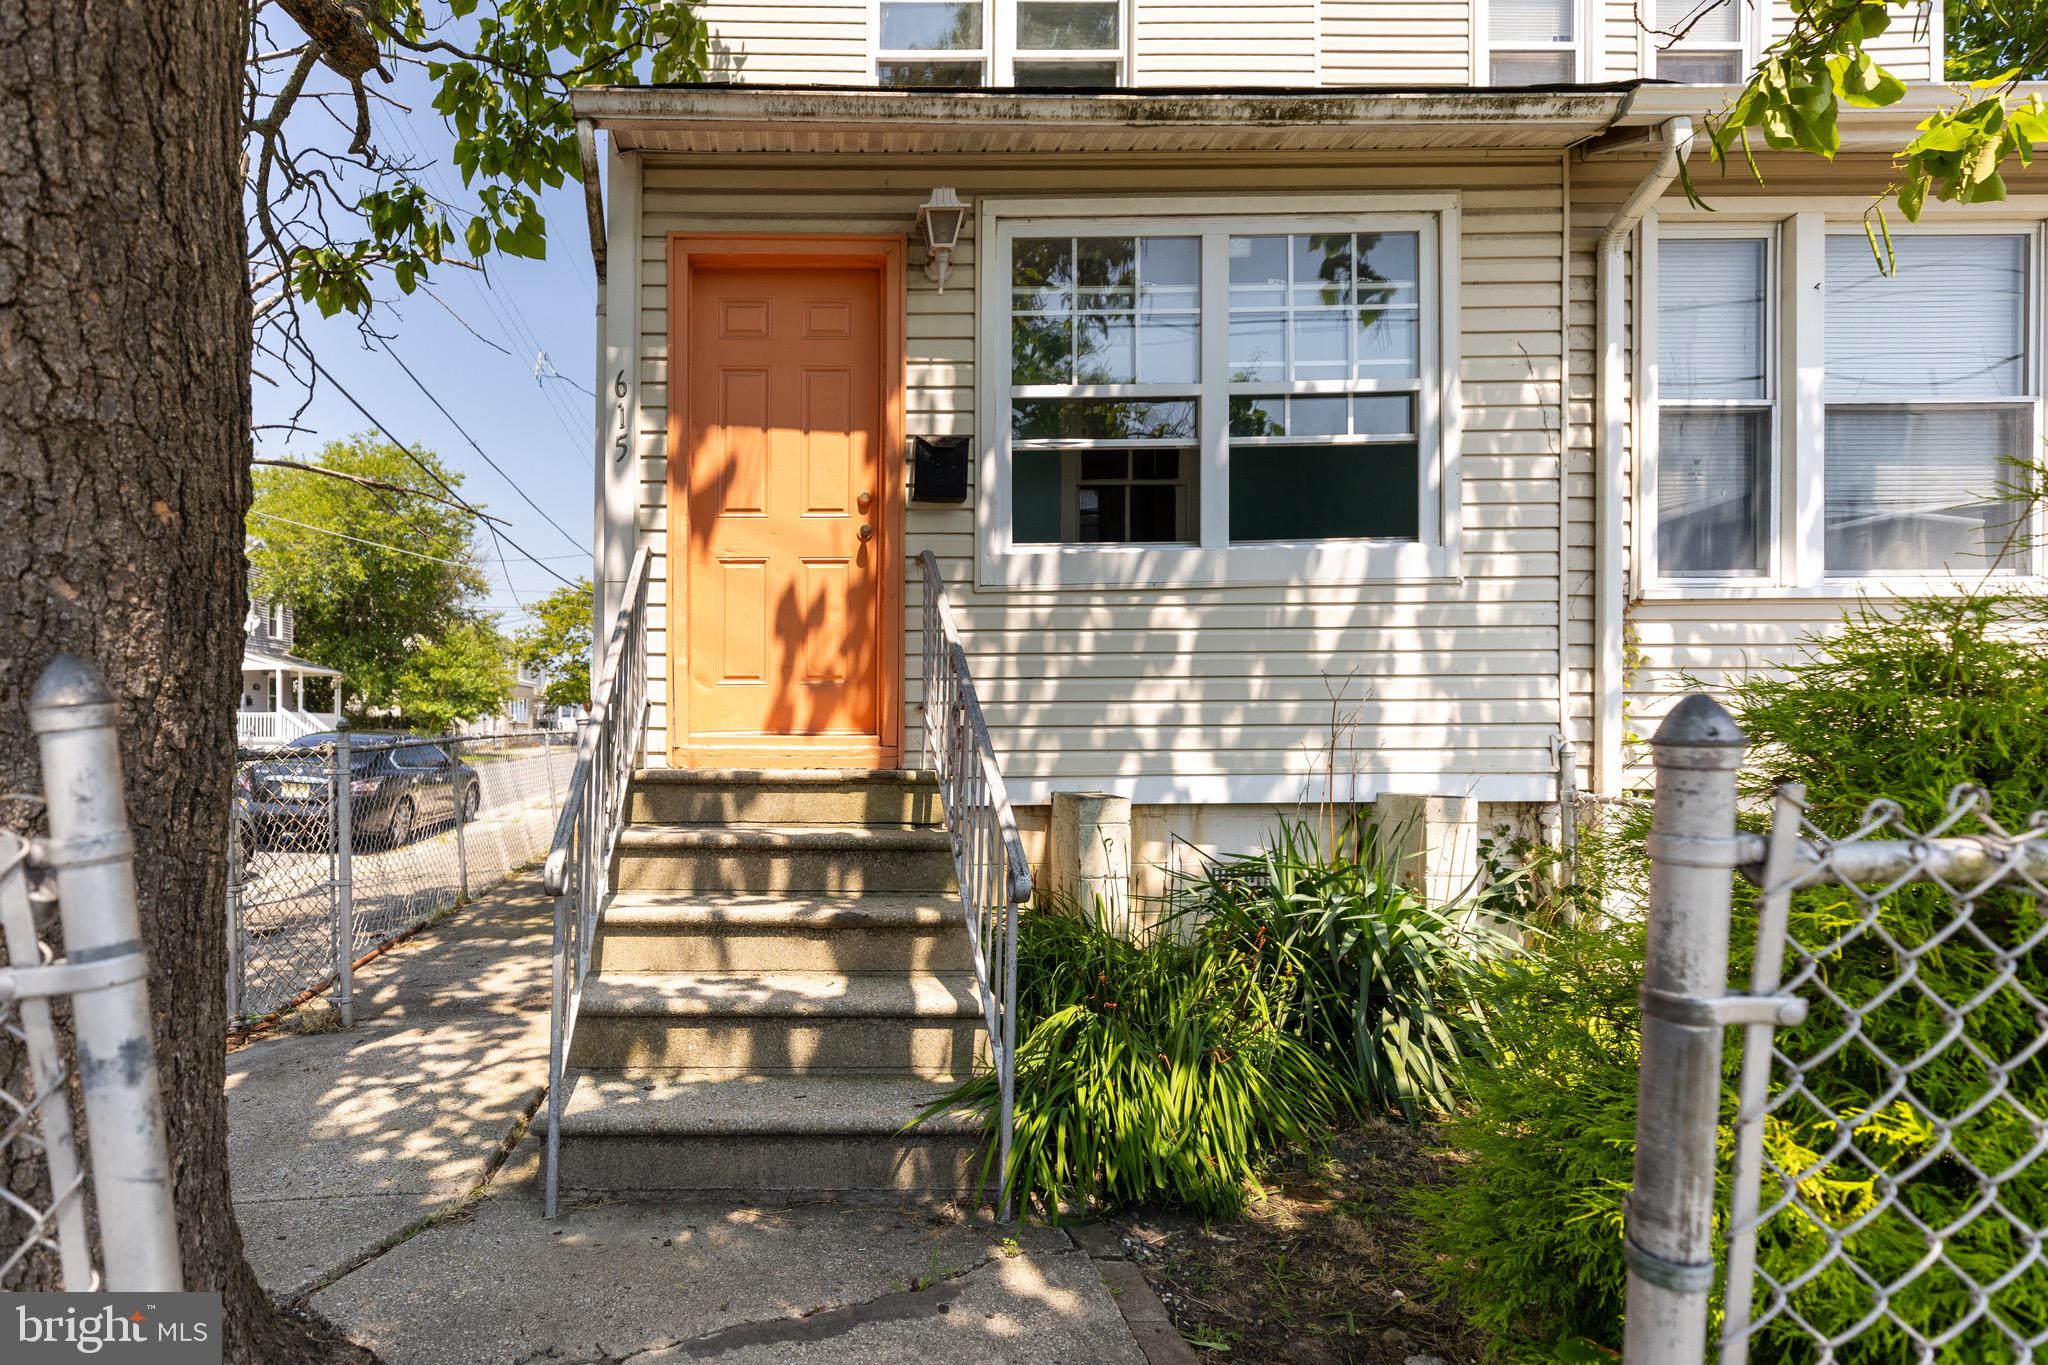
pixel 399 830
pixel 472 800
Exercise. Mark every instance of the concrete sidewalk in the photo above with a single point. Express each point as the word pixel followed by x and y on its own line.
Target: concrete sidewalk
pixel 359 1163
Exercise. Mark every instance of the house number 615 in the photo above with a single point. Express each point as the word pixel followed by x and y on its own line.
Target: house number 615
pixel 619 388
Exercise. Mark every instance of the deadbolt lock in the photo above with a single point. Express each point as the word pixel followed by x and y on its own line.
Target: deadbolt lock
pixel 864 500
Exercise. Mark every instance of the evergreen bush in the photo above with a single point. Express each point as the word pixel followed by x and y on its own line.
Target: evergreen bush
pixel 1904 704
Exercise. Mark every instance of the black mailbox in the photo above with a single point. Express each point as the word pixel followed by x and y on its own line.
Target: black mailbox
pixel 938 469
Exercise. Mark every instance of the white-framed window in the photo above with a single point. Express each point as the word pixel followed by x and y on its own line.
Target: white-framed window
pixel 1836 429
pixel 1055 43
pixel 1235 396
pixel 1716 405
pixel 1932 388
pixel 1701 42
pixel 1534 42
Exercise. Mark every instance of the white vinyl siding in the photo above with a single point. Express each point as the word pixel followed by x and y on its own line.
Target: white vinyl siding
pixel 1420 42
pixel 1288 42
pixel 1224 42
pixel 1217 693
pixel 780 42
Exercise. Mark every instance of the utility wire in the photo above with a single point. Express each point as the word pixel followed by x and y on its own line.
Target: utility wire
pixel 479 449
pixel 373 544
pixel 428 469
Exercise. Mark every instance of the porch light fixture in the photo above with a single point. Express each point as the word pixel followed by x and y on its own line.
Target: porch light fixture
pixel 940 218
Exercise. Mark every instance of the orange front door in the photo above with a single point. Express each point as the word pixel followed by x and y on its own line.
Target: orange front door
pixel 782 477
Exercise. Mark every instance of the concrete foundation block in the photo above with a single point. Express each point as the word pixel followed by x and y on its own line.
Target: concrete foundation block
pixel 1089 853
pixel 1436 839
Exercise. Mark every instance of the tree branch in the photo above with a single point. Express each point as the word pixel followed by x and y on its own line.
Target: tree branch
pixel 379 483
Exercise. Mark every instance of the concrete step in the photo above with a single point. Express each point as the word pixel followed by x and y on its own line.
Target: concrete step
pixel 715 1133
pixel 772 796
pixel 850 858
pixel 662 931
pixel 923 1024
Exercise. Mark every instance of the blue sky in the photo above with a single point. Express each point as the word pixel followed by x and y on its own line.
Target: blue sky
pixel 477 353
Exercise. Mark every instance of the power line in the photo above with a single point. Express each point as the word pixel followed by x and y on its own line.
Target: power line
pixel 426 468
pixel 479 449
pixel 373 544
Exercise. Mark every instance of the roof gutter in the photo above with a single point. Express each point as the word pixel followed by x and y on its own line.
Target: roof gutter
pixel 1609 605
pixel 593 204
pixel 593 200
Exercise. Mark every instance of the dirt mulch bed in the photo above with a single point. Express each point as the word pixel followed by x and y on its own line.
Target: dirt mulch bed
pixel 1319 1272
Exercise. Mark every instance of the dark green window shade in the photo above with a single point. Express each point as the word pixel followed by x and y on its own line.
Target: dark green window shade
pixel 1325 492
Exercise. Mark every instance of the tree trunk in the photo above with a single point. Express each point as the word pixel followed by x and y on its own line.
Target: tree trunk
pixel 124 449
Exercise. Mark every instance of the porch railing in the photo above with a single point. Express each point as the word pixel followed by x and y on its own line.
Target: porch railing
pixel 266 728
pixel 988 856
pixel 578 872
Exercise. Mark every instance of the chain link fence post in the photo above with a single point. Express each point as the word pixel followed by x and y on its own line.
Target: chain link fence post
pixel 1693 853
pixel 461 817
pixel 73 717
pixel 344 878
pixel 235 861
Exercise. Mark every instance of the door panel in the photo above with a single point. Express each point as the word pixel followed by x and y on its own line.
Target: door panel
pixel 782 474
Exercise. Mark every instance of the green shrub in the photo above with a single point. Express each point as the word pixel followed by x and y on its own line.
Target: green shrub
pixel 1526 1239
pixel 1154 1069
pixel 1943 693
pixel 1375 980
pixel 1281 988
pixel 1904 705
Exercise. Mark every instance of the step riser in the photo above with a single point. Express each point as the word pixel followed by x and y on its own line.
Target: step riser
pixel 754 869
pixel 934 1049
pixel 754 803
pixel 839 950
pixel 748 1165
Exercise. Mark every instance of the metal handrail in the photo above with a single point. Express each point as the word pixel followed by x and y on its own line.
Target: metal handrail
pixel 578 873
pixel 988 855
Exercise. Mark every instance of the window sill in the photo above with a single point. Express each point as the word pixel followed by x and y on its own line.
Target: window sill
pixel 1322 564
pixel 1834 590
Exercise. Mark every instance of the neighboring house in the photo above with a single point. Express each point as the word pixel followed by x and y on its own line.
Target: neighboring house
pixel 524 708
pixel 1358 346
pixel 273 707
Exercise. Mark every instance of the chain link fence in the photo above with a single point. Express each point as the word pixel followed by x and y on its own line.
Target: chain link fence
pixel 80 1108
pixel 317 882
pixel 1881 1194
pixel 1887 1201
pixel 36 1133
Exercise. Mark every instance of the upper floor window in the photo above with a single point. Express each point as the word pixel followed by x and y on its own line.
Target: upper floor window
pixel 1701 42
pixel 1532 42
pixel 1077 43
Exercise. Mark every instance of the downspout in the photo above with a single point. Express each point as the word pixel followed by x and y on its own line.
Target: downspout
pixel 1609 601
pixel 593 204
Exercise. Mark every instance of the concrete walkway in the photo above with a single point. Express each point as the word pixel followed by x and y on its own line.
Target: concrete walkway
pixel 360 1163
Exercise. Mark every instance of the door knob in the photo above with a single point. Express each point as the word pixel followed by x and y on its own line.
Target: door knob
pixel 867 533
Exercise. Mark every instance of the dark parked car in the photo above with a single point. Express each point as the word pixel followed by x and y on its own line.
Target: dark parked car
pixel 397 785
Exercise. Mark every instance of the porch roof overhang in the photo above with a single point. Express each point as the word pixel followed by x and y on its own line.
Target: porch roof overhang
pixel 254 661
pixel 752 120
